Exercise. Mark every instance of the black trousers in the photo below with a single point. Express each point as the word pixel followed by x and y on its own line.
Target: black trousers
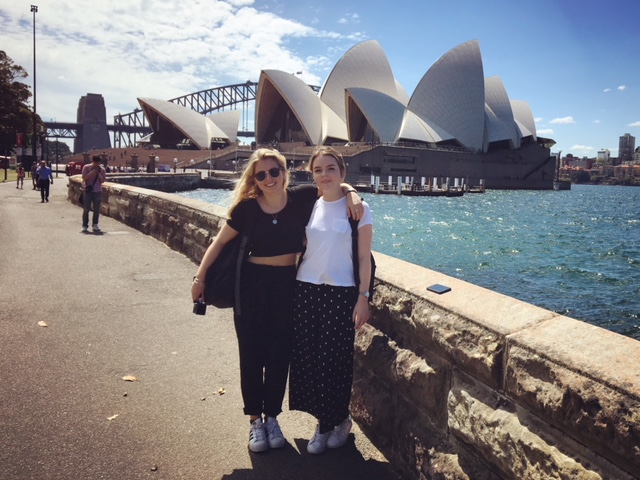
pixel 44 189
pixel 264 331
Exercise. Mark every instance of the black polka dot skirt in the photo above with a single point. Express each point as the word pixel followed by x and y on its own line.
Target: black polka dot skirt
pixel 321 372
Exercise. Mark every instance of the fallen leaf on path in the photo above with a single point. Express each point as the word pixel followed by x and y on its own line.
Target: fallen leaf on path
pixel 222 391
pixel 42 324
pixel 113 417
pixel 129 378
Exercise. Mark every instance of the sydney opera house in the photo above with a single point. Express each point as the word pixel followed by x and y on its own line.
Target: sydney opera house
pixel 457 123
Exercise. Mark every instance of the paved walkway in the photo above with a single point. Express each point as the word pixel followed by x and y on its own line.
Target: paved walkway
pixel 116 305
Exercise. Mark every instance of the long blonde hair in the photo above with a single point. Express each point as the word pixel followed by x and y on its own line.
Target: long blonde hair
pixel 246 187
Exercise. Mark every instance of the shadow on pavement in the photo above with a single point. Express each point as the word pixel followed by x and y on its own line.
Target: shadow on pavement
pixel 289 463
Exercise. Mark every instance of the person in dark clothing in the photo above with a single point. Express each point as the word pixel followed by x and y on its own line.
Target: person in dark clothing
pixel 93 176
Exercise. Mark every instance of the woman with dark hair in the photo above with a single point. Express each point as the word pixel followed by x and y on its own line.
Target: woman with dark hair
pixel 278 214
pixel 329 307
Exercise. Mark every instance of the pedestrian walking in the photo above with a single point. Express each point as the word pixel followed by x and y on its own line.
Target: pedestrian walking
pixel 20 176
pixel 45 178
pixel 93 176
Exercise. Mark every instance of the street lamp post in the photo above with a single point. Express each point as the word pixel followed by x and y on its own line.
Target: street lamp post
pixel 175 165
pixel 34 142
pixel 209 163
pixel 57 157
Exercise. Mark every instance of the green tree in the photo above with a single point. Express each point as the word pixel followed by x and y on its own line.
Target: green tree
pixel 53 147
pixel 15 114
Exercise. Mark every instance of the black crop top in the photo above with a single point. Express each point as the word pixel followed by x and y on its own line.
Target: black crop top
pixel 269 239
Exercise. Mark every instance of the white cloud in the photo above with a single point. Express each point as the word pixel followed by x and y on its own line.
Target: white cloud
pixel 596 121
pixel 634 124
pixel 538 119
pixel 622 88
pixel 607 90
pixel 545 131
pixel 581 149
pixel 125 49
pixel 563 120
pixel 350 18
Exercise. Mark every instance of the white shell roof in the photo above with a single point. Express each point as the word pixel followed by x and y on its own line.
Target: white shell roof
pixel 332 125
pixel 451 95
pixel 496 128
pixel 275 86
pixel 365 66
pixel 453 101
pixel 198 128
pixel 227 121
pixel 382 112
pixel 414 128
pixel 524 118
pixel 498 101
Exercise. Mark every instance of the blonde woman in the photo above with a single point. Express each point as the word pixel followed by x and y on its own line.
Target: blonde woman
pixel 264 328
pixel 329 306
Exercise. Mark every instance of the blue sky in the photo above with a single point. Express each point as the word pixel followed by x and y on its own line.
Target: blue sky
pixel 575 62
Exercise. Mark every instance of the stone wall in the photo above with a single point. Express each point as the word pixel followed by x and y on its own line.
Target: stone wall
pixel 177 182
pixel 469 384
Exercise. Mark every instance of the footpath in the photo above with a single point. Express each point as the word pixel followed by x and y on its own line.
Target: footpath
pixel 105 372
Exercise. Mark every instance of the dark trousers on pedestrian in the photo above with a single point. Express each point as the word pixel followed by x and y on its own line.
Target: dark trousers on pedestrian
pixel 44 189
pixel 264 329
pixel 91 199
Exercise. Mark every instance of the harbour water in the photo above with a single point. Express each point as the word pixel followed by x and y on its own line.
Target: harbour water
pixel 574 252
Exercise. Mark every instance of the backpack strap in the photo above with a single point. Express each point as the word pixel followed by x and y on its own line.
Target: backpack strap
pixel 242 254
pixel 354 250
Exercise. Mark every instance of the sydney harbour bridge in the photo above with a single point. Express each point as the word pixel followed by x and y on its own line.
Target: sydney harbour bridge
pixel 128 128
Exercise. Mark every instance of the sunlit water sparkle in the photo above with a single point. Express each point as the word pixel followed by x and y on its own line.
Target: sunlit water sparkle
pixel 573 252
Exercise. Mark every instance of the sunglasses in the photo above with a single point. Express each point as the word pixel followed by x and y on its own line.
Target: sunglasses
pixel 273 173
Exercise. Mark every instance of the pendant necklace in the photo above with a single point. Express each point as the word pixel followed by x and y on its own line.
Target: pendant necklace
pixel 274 216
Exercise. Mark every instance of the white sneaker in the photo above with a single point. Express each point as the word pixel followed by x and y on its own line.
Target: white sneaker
pixel 318 442
pixel 274 434
pixel 257 436
pixel 96 229
pixel 340 434
pixel 85 229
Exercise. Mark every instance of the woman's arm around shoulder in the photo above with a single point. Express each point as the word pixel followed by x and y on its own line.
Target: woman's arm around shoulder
pixel 361 310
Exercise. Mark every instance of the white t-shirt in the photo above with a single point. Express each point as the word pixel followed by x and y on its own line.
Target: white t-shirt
pixel 328 258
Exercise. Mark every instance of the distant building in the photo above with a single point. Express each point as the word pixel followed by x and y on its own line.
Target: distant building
pixel 626 148
pixel 603 156
pixel 575 162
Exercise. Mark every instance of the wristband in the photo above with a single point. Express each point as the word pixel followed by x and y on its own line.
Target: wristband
pixel 197 280
pixel 352 190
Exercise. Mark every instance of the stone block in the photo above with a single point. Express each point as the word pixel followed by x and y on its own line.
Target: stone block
pixel 516 443
pixel 400 431
pixel 422 382
pixel 585 380
pixel 467 325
